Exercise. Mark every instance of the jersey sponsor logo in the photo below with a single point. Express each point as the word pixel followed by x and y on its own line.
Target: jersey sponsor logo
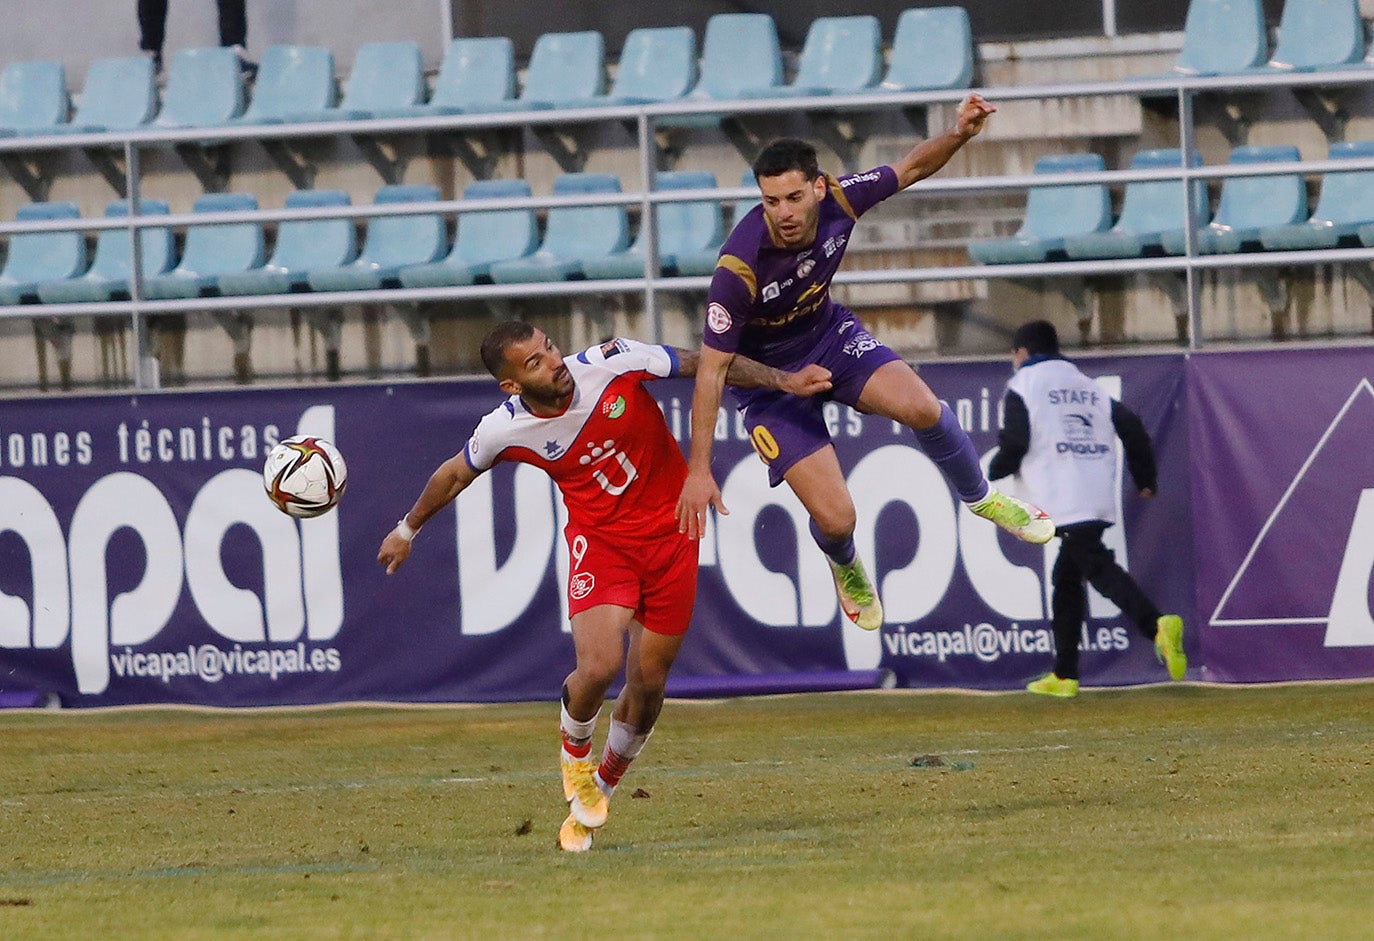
pixel 859 344
pixel 833 245
pixel 613 407
pixel 718 318
pixel 552 449
pixel 599 453
pixel 612 347
pixel 581 585
pixel 868 177
pixel 806 267
pixel 771 291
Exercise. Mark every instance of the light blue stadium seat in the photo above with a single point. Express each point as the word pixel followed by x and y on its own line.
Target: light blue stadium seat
pixel 302 246
pixel 1223 37
pixel 212 251
pixel 1366 234
pixel 1053 213
pixel 1346 203
pixel 33 98
pixel 1248 204
pixel 476 72
pixel 387 77
pixel 573 234
pixel 689 234
pixel 1149 209
pixel 392 243
pixel 1318 34
pixel 566 70
pixel 204 89
pixel 119 95
pixel 932 48
pixel 38 257
pixel 655 65
pixel 484 237
pixel 108 277
pixel 744 206
pixel 740 53
pixel 294 83
pixel 841 55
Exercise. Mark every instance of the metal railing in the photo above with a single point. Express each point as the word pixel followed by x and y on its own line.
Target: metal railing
pixel 1183 89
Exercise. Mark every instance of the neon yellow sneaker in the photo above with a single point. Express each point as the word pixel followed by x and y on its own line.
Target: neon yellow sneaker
pixel 585 799
pixel 1052 685
pixel 1017 517
pixel 858 598
pixel 1169 645
pixel 573 837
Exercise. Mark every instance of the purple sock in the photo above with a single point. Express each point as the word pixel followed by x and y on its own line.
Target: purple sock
pixel 840 552
pixel 949 447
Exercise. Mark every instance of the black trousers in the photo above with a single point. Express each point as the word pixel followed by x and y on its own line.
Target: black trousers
pixel 1084 560
pixel 152 24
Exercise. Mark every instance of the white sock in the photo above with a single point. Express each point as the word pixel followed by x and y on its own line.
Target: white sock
pixel 576 733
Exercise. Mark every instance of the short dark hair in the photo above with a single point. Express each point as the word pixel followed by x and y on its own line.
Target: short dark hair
pixel 784 154
pixel 1039 338
pixel 500 338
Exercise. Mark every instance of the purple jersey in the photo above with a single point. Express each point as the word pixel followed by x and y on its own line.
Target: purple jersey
pixel 773 304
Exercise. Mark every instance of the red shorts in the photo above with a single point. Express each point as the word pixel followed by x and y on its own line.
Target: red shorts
pixel 656 578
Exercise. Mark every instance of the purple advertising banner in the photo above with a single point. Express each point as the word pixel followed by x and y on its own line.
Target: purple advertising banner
pixel 140 561
pixel 1283 519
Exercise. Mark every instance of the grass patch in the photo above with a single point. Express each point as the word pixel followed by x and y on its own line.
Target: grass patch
pixel 1179 811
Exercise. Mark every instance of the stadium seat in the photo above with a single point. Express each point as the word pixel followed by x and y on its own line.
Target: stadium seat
pixel 740 53
pixel 392 243
pixel 1346 203
pixel 689 234
pixel 842 54
pixel 573 234
pixel 302 246
pixel 1249 203
pixel 476 72
pixel 1053 213
pixel 35 258
pixel 1150 209
pixel 1222 37
pixel 566 70
pixel 386 77
pixel 932 48
pixel 1367 234
pixel 33 98
pixel 655 65
pixel 212 251
pixel 204 89
pixel 108 277
pixel 484 237
pixel 1318 34
pixel 742 207
pixel 119 95
pixel 294 83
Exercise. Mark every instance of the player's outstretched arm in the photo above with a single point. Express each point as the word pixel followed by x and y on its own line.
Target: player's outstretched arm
pixel 700 489
pixel 745 373
pixel 932 154
pixel 448 480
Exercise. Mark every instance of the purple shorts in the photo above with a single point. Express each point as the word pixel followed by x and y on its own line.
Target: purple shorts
pixel 785 428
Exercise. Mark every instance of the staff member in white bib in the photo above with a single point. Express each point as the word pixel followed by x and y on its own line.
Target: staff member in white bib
pixel 1058 439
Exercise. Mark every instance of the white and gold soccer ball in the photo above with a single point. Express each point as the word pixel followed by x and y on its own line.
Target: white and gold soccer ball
pixel 305 476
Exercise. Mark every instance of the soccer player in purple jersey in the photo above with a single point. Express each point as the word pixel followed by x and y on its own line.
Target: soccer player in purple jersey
pixel 770 301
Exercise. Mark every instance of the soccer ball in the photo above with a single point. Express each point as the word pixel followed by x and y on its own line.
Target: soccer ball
pixel 304 476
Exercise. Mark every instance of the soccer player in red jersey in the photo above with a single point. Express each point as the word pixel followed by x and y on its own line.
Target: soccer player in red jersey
pixel 770 300
pixel 588 421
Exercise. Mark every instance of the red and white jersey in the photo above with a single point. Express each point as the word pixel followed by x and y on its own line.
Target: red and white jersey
pixel 610 452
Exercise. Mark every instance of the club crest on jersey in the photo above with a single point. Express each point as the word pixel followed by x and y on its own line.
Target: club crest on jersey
pixel 718 318
pixel 806 267
pixel 612 347
pixel 613 407
pixel 581 585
